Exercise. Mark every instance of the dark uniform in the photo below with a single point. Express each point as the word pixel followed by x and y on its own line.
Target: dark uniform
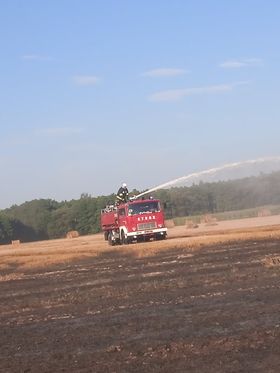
pixel 122 195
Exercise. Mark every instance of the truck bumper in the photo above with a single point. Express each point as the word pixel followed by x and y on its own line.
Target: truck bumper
pixel 148 232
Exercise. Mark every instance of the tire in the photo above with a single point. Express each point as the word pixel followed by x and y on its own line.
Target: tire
pixel 111 242
pixel 106 234
pixel 160 237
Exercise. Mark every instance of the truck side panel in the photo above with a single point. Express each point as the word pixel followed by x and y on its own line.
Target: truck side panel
pixel 109 220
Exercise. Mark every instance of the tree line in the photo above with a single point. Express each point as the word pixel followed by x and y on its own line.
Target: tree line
pixel 43 219
pixel 222 196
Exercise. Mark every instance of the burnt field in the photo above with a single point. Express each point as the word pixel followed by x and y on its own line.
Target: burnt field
pixel 212 308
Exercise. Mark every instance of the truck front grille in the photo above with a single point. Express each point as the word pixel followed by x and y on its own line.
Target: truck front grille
pixel 145 226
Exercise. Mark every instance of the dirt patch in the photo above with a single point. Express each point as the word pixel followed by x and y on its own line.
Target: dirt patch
pixel 144 308
pixel 201 301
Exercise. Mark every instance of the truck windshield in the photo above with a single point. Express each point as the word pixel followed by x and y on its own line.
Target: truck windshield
pixel 143 208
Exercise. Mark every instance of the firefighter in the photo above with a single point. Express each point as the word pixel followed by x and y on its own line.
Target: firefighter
pixel 122 195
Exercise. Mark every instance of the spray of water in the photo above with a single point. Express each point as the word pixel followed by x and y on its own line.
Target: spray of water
pixel 211 171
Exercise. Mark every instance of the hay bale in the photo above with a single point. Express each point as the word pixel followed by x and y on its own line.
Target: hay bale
pixel 15 242
pixel 169 223
pixel 190 224
pixel 204 219
pixel 264 212
pixel 207 219
pixel 72 234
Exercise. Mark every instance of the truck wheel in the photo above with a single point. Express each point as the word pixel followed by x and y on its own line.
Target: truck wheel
pixel 160 237
pixel 111 242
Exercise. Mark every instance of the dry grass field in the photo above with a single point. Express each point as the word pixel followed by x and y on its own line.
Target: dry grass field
pixel 204 300
pixel 14 259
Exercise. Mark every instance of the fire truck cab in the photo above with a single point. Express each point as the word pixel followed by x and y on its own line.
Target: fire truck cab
pixel 137 220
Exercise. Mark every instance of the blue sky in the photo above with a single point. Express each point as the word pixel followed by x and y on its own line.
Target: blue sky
pixel 94 93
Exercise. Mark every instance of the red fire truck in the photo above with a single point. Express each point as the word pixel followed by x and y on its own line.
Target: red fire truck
pixel 136 220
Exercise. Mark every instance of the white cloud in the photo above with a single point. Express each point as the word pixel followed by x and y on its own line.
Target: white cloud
pixel 178 94
pixel 59 131
pixel 164 72
pixel 35 57
pixel 85 79
pixel 243 62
